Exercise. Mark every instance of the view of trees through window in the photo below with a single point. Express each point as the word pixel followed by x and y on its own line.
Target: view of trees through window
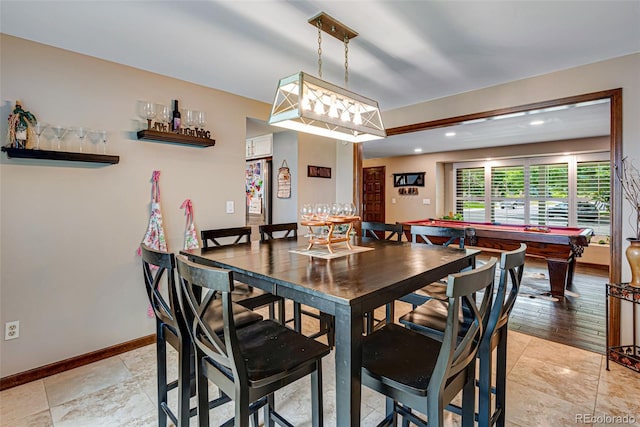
pixel 566 191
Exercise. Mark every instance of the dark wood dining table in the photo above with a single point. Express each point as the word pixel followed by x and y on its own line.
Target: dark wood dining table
pixel 345 287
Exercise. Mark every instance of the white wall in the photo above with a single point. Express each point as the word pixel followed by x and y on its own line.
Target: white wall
pixel 285 147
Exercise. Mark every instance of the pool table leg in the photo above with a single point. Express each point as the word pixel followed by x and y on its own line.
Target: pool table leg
pixel 558 270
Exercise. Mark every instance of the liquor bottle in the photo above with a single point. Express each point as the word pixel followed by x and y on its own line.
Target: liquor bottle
pixel 175 122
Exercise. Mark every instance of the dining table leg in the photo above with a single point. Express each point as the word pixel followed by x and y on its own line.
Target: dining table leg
pixel 348 353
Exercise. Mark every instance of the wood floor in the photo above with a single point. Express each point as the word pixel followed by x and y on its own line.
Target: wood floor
pixel 578 321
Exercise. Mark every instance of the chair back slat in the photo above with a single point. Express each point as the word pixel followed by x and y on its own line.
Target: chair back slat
pixel 271 231
pixel 511 267
pixel 159 267
pixel 210 238
pixel 458 350
pixel 217 283
pixel 379 230
pixel 425 231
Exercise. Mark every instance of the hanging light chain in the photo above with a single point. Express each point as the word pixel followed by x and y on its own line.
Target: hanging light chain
pixel 346 61
pixel 319 25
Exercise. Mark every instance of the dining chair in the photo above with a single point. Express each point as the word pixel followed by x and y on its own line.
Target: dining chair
pixel 380 231
pixel 290 231
pixel 433 235
pixel 250 363
pixel 159 271
pixel 419 373
pixel 287 230
pixel 245 295
pixel 429 319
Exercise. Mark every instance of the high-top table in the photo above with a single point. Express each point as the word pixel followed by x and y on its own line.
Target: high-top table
pixel 345 287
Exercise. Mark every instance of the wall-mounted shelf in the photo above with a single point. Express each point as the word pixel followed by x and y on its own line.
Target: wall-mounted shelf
pixel 154 135
pixel 28 153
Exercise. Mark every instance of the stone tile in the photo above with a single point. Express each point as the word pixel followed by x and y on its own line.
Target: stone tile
pixel 554 380
pixel 22 402
pixel 576 359
pixel 85 380
pixel 121 404
pixel 618 394
pixel 529 407
pixel 41 419
pixel 516 346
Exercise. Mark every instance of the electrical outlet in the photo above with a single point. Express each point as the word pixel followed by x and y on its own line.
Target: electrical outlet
pixel 11 330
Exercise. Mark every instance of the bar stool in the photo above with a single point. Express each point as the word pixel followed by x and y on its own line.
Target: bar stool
pixel 429 320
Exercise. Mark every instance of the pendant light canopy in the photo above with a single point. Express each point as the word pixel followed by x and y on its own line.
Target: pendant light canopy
pixel 309 104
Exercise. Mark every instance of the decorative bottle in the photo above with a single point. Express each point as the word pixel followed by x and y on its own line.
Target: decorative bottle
pixel 175 122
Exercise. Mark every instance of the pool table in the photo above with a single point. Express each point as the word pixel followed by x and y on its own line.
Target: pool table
pixel 558 245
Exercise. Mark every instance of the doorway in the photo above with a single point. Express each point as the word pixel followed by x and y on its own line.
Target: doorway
pixel 373 194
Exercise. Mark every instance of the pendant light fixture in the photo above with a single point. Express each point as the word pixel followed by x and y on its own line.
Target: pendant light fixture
pixel 308 104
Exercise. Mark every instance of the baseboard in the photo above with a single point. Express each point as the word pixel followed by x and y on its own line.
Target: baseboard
pixel 74 362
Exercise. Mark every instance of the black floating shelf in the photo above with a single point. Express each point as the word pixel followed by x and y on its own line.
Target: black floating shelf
pixel 155 135
pixel 27 153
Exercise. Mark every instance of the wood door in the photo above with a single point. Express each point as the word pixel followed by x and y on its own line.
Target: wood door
pixel 373 194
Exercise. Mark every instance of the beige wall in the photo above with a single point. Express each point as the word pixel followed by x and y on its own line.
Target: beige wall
pixel 69 231
pixel 439 176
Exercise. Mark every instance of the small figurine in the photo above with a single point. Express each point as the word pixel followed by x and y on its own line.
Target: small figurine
pixel 19 130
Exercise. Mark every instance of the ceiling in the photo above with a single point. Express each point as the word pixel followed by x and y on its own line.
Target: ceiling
pixel 406 52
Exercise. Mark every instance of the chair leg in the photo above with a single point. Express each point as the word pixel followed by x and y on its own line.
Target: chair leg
pixel 184 383
pixel 242 412
pixel 268 409
pixel 271 311
pixel 202 383
pixel 501 377
pixel 161 361
pixel 281 313
pixel 297 317
pixel 484 386
pixel 468 398
pixel 316 396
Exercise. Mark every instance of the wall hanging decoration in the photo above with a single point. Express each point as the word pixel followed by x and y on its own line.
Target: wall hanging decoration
pixel 318 171
pixel 20 129
pixel 284 181
pixel 154 237
pixel 190 235
pixel 410 179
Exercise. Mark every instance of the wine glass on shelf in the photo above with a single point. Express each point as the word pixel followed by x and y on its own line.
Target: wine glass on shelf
pixel 81 133
pixel 163 114
pixel 59 132
pixel 102 135
pixel 189 117
pixel 201 119
pixel 147 110
pixel 38 129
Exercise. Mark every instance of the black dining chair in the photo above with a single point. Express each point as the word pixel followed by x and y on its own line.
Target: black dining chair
pixel 382 231
pixel 388 232
pixel 250 363
pixel 419 373
pixel 159 271
pixel 433 235
pixel 287 230
pixel 290 231
pixel 245 295
pixel 429 319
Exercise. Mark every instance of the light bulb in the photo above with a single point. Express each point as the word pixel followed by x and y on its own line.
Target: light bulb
pixel 306 105
pixel 357 119
pixel 345 117
pixel 319 107
pixel 333 110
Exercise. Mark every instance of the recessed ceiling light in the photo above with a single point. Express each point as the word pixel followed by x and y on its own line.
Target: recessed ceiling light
pixel 537 122
pixel 417 150
pixel 450 134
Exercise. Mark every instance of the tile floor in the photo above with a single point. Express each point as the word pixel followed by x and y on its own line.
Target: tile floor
pixel 549 384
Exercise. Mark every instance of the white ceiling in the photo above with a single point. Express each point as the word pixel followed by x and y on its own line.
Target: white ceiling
pixel 406 52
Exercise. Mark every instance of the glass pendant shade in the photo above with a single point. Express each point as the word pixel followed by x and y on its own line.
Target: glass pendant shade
pixel 307 104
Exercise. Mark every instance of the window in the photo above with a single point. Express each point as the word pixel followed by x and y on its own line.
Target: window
pixel 565 191
pixel 470 197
